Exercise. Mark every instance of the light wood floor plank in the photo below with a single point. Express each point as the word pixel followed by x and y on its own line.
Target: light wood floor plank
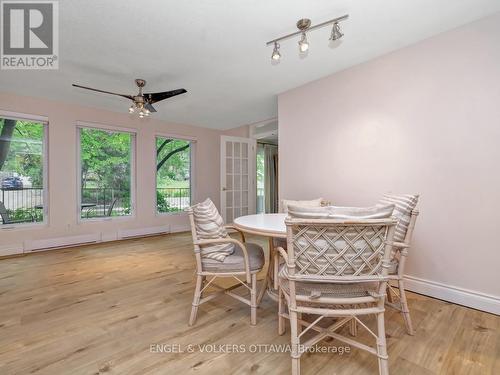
pixel 97 309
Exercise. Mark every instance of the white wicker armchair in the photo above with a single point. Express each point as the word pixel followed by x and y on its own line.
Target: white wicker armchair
pixel 338 269
pixel 247 260
pixel 396 295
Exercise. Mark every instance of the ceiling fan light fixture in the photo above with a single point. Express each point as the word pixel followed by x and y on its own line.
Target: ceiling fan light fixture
pixel 142 102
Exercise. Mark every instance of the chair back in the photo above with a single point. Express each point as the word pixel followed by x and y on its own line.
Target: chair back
pixel 4 214
pixel 411 227
pixel 110 208
pixel 328 250
pixel 194 235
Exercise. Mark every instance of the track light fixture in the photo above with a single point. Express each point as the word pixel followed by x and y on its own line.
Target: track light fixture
pixel 304 26
pixel 276 52
pixel 336 33
pixel 303 43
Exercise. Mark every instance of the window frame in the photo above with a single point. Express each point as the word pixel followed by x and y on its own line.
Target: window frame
pixel 192 153
pixel 133 168
pixel 45 165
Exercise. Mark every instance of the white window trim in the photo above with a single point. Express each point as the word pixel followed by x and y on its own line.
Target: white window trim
pixel 192 178
pixel 23 116
pixel 101 126
pixel 133 186
pixel 45 160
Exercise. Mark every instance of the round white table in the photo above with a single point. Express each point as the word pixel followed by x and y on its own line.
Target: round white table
pixel 271 226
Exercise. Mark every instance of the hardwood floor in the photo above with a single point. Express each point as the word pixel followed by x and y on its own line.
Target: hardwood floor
pixel 98 309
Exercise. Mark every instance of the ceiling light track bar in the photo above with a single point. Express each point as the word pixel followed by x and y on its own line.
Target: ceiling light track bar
pixel 323 24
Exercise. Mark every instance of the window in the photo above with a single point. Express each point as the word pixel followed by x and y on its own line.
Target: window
pixel 173 174
pixel 22 171
pixel 106 167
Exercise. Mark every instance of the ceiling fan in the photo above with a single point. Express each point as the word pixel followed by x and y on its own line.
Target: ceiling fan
pixel 143 103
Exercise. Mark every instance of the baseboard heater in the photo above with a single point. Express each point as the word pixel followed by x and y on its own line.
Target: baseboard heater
pixel 143 232
pixel 55 243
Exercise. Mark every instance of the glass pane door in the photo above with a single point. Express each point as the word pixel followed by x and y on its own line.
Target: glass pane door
pixel 236 177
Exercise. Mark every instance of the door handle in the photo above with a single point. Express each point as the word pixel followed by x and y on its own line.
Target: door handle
pixel 224 189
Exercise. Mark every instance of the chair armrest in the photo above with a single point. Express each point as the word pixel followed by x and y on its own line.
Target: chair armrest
pixel 283 254
pixel 89 211
pixel 216 241
pixel 400 245
pixel 232 227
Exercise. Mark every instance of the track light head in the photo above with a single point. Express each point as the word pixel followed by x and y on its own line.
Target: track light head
pixel 303 43
pixel 336 33
pixel 276 52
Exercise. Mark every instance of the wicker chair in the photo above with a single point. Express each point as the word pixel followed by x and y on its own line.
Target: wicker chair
pixel 336 269
pixel 247 260
pixel 4 214
pixel 274 260
pixel 92 211
pixel 397 298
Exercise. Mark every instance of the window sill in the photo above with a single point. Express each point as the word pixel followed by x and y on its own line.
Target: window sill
pixel 166 214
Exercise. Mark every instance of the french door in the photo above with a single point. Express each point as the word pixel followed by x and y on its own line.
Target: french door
pixel 238 173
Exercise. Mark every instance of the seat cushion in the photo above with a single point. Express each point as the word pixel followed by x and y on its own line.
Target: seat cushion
pixel 210 225
pixel 235 262
pixel 341 213
pixel 328 290
pixel 404 205
pixel 310 203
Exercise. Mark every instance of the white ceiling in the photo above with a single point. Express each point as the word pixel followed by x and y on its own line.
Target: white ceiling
pixel 216 50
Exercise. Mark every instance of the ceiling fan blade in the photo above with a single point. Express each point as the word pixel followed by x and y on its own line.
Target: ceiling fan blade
pixel 104 92
pixel 158 96
pixel 149 107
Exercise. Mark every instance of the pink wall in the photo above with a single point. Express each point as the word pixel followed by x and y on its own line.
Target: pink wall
pixel 424 119
pixel 63 171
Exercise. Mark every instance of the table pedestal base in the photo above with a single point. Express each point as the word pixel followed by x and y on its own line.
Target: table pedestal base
pixel 270 281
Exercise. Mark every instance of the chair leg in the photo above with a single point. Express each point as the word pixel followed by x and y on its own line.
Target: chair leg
pixel 281 320
pixel 299 326
pixel 353 327
pixel 295 366
pixel 253 300
pixel 389 295
pixel 404 308
pixel 295 343
pixel 383 364
pixel 196 299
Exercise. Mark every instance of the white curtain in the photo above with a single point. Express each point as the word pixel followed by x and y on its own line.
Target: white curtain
pixel 271 178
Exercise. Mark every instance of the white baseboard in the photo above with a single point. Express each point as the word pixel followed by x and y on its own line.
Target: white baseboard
pixel 470 298
pixel 11 249
pixel 60 242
